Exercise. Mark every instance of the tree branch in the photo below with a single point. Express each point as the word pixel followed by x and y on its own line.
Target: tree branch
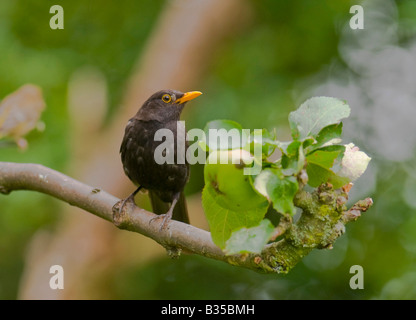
pixel 35 177
pixel 317 227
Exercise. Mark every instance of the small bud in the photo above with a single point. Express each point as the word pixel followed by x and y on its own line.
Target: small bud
pixel 354 162
pixel 257 260
pixel 326 197
pixel 303 177
pixel 347 187
pixel 352 215
pixel 341 201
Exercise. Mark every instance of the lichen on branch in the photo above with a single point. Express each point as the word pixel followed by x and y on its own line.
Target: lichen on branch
pixel 322 221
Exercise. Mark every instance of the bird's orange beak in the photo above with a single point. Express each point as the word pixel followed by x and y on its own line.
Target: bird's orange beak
pixel 188 96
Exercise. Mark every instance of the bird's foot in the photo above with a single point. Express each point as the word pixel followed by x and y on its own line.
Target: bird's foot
pixel 130 199
pixel 166 218
pixel 168 215
pixel 119 210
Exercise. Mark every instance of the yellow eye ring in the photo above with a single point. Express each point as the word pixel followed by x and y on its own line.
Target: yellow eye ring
pixel 166 98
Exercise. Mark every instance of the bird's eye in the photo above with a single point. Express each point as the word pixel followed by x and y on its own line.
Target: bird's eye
pixel 167 98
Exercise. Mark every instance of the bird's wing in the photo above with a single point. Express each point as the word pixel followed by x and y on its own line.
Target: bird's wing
pixel 180 212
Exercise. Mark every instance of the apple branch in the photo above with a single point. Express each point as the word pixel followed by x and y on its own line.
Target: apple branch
pixel 315 228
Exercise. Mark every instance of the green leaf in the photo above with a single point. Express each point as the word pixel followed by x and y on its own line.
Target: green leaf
pixel 318 175
pixel 308 142
pixel 315 114
pixel 279 189
pixel 223 222
pixel 232 186
pixel 329 135
pixel 263 140
pixel 250 239
pixel 224 135
pixel 293 148
pixel 293 158
pixel 323 158
pixel 338 181
pixel 321 164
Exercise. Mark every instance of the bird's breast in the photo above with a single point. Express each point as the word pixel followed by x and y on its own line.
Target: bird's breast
pixel 146 145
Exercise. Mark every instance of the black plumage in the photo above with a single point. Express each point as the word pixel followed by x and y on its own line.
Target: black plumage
pixel 166 181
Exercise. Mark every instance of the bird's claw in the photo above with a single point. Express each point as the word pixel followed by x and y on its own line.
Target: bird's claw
pixel 123 202
pixel 120 211
pixel 166 218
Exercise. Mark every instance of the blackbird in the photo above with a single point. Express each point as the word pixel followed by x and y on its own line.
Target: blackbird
pixel 165 182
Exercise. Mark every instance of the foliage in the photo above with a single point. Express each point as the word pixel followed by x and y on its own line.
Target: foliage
pixel 316 131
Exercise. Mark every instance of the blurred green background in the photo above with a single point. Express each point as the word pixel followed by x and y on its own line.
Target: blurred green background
pixel 287 52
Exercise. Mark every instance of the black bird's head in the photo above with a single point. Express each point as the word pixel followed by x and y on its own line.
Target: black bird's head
pixel 165 105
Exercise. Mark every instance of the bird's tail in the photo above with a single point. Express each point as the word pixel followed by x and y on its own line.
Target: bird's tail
pixel 180 212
